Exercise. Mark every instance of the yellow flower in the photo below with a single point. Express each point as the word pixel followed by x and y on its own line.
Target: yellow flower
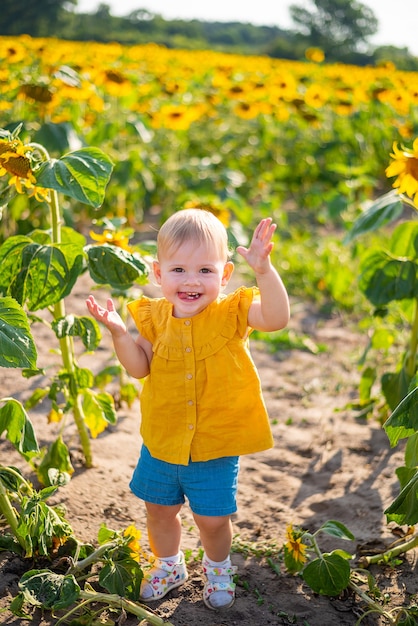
pixel 294 544
pixel 405 167
pixel 134 536
pixel 113 238
pixel 13 161
pixel 316 55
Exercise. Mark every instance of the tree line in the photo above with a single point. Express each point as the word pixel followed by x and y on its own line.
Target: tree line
pixel 340 28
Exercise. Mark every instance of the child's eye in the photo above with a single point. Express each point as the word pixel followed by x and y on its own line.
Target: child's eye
pixel 178 269
pixel 205 270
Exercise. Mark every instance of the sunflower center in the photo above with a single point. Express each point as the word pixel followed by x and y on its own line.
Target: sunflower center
pixel 17 166
pixel 412 167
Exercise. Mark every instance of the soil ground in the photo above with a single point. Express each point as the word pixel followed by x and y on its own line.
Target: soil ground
pixel 325 465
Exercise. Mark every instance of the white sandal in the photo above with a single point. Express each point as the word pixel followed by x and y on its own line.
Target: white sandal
pixel 174 574
pixel 224 584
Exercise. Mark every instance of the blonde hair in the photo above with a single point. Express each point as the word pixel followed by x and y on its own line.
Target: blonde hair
pixel 196 225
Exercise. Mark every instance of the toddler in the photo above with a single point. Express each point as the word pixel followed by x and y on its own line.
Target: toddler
pixel 201 401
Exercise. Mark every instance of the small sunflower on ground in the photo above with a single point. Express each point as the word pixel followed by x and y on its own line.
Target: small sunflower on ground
pixel 405 167
pixel 134 536
pixel 294 549
pixel 15 161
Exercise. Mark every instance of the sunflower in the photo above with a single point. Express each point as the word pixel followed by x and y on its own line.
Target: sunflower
pixel 294 545
pixel 15 162
pixel 405 167
pixel 113 238
pixel 134 535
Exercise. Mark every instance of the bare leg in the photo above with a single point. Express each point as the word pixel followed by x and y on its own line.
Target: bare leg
pixel 164 529
pixel 215 535
pixel 164 533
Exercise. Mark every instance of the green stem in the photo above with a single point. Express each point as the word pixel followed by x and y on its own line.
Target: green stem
pixel 66 344
pixel 9 514
pixel 92 558
pixel 128 605
pixel 411 361
pixel 390 554
pixel 370 603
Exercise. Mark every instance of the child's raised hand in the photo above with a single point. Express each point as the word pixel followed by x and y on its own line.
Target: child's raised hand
pixel 109 316
pixel 258 254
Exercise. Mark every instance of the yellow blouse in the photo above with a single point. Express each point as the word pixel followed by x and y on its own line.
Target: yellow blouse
pixel 202 399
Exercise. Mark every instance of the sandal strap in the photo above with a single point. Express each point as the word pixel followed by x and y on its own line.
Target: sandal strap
pixel 219 571
pixel 211 587
pixel 166 566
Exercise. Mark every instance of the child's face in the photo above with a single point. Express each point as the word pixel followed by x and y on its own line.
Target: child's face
pixel 191 277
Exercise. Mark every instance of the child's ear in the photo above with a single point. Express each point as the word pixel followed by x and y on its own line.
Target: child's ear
pixel 227 273
pixel 157 271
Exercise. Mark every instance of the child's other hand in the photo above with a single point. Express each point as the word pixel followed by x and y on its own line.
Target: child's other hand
pixel 109 316
pixel 258 254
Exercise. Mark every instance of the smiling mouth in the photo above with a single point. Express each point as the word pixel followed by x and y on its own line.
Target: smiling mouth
pixel 189 295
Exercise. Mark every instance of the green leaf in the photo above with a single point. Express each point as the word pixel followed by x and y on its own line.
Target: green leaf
pixel 404 509
pixel 56 137
pixel 367 381
pixel 58 458
pixel 384 278
pixel 328 575
pixel 110 265
pixel 49 590
pixel 337 529
pixel 404 240
pixel 17 347
pixel 383 211
pixel 84 327
pixel 404 420
pixel 122 576
pixel 40 525
pixel 395 386
pixel 99 411
pixel 19 430
pixel 106 534
pixel 411 451
pixel 39 275
pixel 82 175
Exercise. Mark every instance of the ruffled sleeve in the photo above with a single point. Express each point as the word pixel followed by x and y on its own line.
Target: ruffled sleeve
pixel 243 298
pixel 140 311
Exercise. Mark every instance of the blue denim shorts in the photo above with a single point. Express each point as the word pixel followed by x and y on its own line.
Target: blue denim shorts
pixel 209 486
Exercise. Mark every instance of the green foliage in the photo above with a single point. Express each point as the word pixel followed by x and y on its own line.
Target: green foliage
pixel 18 427
pixel 39 270
pixel 17 347
pixel 389 278
pixel 82 175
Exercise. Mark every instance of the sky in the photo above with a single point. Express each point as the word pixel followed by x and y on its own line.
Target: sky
pixel 398 19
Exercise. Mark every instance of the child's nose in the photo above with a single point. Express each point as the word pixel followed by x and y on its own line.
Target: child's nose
pixel 192 279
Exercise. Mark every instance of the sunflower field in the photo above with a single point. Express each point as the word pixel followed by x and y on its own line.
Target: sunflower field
pixel 130 134
pixel 305 142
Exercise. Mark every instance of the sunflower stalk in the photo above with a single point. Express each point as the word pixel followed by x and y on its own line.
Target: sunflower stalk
pixel 66 342
pixel 391 553
pixel 128 605
pixel 9 514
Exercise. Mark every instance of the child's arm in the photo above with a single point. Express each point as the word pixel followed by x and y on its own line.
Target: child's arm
pixel 135 356
pixel 271 312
